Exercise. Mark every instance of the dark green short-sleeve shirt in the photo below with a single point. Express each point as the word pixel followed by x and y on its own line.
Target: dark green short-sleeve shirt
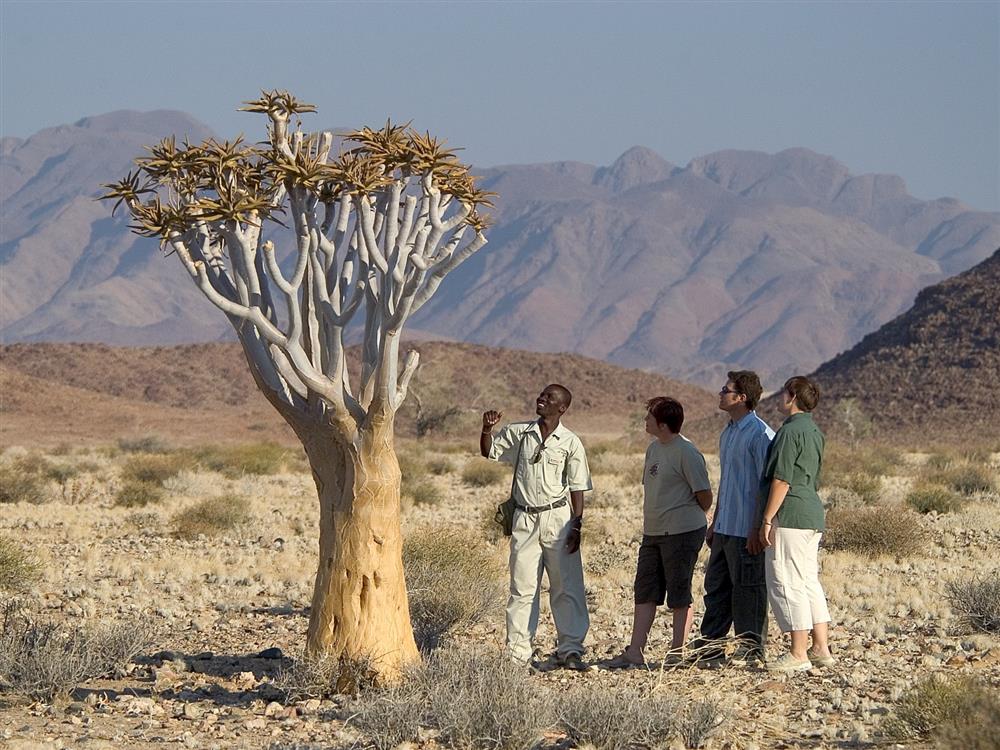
pixel 796 457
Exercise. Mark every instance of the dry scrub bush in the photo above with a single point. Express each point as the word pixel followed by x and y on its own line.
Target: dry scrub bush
pixel 482 473
pixel 440 466
pixel 153 468
pixel 234 461
pixel 875 531
pixel 618 718
pixel 44 660
pixel 19 484
pixel 18 568
pixel 322 676
pixel 976 725
pixel 927 498
pixel 942 709
pixel 143 444
pixel 473 699
pixel 212 516
pixel 866 486
pixel 136 494
pixel 875 460
pixel 439 568
pixel 965 478
pixel 977 602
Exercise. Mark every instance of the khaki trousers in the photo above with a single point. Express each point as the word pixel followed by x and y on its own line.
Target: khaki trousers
pixel 538 542
pixel 791 568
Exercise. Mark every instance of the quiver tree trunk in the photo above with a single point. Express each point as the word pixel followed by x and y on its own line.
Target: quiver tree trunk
pixel 375 230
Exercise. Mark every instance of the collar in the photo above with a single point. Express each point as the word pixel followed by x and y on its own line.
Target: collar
pixel 558 433
pixel 802 415
pixel 743 422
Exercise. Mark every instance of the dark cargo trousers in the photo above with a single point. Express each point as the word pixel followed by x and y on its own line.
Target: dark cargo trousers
pixel 735 594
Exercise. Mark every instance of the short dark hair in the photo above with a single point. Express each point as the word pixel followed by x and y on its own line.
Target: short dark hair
pixel 805 391
pixel 668 411
pixel 567 397
pixel 747 384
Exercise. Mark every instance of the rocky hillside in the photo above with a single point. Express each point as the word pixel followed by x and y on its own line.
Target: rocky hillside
pixel 94 392
pixel 771 261
pixel 931 372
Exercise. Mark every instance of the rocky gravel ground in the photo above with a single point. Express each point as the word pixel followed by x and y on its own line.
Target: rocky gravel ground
pixel 229 612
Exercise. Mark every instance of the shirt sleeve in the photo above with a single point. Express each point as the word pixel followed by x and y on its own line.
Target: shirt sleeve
pixel 758 453
pixel 504 448
pixel 694 469
pixel 577 470
pixel 781 458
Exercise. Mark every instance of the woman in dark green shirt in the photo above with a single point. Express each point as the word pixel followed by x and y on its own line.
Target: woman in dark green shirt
pixel 791 528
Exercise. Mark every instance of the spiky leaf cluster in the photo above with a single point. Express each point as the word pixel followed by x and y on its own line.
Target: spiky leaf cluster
pixel 217 182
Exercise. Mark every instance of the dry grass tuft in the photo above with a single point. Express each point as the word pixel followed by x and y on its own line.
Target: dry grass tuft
pixel 212 516
pixel 977 602
pixel 143 444
pixel 483 473
pixel 439 567
pixel 875 531
pixel 440 466
pixel 19 569
pixel 323 676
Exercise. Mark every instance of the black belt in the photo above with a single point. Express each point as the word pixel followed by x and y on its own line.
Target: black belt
pixel 540 508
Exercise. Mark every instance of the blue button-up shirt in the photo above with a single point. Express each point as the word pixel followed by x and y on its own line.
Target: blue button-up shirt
pixel 742 452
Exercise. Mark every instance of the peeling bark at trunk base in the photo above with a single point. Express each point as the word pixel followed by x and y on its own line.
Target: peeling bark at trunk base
pixel 360 613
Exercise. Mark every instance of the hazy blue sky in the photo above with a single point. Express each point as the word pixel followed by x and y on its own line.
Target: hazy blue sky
pixel 906 88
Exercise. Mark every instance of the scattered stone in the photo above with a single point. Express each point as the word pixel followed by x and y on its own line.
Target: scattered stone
pixel 273 709
pixel 192 711
pixel 271 653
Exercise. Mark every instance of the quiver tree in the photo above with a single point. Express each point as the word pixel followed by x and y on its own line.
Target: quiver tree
pixel 376 229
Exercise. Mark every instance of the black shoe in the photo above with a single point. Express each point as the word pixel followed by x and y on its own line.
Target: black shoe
pixel 573 661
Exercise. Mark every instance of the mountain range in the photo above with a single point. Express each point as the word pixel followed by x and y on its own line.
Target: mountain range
pixel 739 259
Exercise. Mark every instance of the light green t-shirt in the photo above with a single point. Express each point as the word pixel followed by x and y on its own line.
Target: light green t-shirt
pixel 670 477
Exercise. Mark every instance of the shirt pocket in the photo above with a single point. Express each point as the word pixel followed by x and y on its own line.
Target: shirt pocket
pixel 554 466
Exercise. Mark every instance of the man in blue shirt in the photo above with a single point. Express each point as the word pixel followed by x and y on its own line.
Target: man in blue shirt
pixel 735 591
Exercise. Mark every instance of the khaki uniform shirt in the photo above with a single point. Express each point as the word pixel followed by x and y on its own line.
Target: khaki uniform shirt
pixel 546 472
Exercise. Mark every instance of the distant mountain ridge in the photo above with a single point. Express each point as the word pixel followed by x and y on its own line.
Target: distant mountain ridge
pixel 738 259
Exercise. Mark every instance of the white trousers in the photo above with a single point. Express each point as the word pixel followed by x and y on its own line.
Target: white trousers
pixel 791 570
pixel 538 542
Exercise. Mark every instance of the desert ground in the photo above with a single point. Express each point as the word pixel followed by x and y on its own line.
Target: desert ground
pixel 203 559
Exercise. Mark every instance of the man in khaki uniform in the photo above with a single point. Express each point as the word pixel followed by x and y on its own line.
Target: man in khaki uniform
pixel 550 477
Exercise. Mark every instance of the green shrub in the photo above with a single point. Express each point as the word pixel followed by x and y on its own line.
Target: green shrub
pixel 422 492
pixel 136 494
pixel 439 568
pixel 18 568
pixel 234 461
pixel 976 723
pixel 927 498
pixel 482 473
pixel 937 708
pixel 875 531
pixel 866 486
pixel 153 468
pixel 19 484
pixel 212 516
pixel 977 602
